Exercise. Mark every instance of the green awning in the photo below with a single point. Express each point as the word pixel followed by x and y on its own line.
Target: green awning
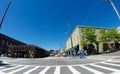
pixel 70 49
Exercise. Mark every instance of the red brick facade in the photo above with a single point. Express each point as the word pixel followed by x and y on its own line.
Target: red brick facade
pixel 5 41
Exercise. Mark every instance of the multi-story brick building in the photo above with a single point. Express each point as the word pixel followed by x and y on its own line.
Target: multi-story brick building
pixel 5 41
pixel 12 46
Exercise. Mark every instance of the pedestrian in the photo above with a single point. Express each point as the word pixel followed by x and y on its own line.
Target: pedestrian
pixel 74 52
pixel 81 54
pixel 85 52
pixel 15 55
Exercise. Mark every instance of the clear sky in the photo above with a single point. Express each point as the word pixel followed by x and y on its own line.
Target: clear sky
pixel 42 22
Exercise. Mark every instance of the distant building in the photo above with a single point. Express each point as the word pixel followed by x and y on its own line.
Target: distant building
pixel 62 50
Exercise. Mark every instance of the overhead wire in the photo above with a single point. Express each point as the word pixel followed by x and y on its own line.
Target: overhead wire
pixel 91 11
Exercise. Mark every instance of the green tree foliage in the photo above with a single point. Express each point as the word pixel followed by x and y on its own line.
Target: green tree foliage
pixel 109 35
pixel 89 34
pixel 83 42
pixel 113 35
pixel 103 36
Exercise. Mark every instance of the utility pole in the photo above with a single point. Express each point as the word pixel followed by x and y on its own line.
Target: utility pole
pixel 114 7
pixel 4 14
pixel 68 22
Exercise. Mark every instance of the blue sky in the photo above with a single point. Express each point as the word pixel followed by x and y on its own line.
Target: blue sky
pixel 42 22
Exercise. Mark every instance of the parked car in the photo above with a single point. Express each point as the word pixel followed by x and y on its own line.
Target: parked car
pixel 64 54
pixel 52 54
pixel 110 50
pixel 113 49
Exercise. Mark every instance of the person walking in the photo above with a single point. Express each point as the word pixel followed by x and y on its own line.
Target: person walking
pixel 81 54
pixel 74 52
pixel 85 52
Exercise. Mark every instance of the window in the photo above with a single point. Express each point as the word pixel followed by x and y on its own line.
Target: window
pixel 3 42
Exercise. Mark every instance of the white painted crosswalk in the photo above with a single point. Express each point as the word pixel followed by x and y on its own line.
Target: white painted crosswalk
pixel 92 70
pixel 18 70
pixel 29 71
pixel 74 71
pixel 45 70
pixel 23 69
pixel 57 70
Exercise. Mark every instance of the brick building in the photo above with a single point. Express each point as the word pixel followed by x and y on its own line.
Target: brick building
pixel 5 41
pixel 11 46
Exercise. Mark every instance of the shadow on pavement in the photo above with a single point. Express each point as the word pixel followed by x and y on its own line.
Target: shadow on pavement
pixel 3 64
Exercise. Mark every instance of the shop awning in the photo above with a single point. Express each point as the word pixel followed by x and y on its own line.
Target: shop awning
pixel 70 49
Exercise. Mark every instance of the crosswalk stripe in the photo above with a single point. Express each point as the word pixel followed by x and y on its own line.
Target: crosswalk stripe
pixel 111 64
pixel 74 71
pixel 2 72
pixel 45 70
pixel 116 72
pixel 57 70
pixel 29 71
pixel 105 67
pixel 92 70
pixel 10 68
pixel 2 67
pixel 17 70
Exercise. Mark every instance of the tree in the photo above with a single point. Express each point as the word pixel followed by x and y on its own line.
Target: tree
pixel 107 36
pixel 83 42
pixel 104 38
pixel 90 37
pixel 114 36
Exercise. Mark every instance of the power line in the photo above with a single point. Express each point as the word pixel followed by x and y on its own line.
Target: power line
pixel 91 11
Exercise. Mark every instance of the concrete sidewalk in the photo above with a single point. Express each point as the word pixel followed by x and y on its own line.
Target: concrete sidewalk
pixel 8 59
pixel 105 58
pixel 117 59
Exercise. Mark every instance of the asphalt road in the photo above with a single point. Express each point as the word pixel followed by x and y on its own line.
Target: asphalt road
pixel 54 61
pixel 61 65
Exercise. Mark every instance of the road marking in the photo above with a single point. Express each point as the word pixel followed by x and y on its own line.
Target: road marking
pixel 45 70
pixel 74 71
pixel 111 64
pixel 57 70
pixel 105 67
pixel 29 71
pixel 10 68
pixel 17 70
pixel 2 67
pixel 116 72
pixel 92 70
pixel 2 72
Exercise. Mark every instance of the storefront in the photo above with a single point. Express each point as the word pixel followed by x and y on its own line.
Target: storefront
pixel 70 50
pixel 26 51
